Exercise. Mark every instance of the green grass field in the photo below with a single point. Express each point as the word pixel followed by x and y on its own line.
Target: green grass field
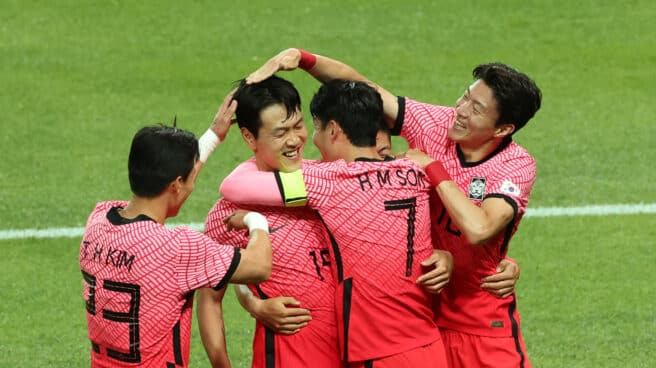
pixel 79 78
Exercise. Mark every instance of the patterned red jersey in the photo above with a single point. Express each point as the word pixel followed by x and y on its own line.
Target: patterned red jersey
pixel 301 269
pixel 508 173
pixel 139 282
pixel 378 218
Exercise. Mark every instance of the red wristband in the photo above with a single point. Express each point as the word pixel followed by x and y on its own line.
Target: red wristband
pixel 307 61
pixel 437 173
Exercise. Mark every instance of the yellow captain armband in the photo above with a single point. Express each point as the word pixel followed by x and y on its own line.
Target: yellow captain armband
pixel 292 188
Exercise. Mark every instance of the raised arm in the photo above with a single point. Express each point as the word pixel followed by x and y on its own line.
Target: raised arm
pixel 218 129
pixel 323 69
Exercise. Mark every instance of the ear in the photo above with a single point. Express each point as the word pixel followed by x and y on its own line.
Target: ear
pixel 334 129
pixel 248 138
pixel 175 186
pixel 504 130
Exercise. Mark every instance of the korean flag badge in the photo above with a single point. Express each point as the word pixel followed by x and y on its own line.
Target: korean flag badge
pixel 510 188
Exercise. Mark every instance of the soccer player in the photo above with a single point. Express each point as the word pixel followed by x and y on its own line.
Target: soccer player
pixel 269 115
pixel 378 219
pixel 479 210
pixel 139 276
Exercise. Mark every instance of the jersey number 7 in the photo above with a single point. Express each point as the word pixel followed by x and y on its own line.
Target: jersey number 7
pixel 409 204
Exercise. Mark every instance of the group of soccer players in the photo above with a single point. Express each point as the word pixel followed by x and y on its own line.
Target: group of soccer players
pixel 377 261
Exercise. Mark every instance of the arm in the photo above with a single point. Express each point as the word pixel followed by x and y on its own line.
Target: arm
pixel 255 263
pixel 435 279
pixel 323 69
pixel 283 314
pixel 478 224
pixel 218 129
pixel 210 322
pixel 502 284
pixel 247 185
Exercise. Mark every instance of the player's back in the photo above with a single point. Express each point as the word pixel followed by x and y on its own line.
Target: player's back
pixel 378 216
pixel 138 305
pixel 301 269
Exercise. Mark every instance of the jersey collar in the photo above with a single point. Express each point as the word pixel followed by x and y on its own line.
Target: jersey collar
pixel 116 219
pixel 461 156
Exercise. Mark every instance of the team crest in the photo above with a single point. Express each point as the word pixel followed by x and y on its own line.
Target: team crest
pixel 476 188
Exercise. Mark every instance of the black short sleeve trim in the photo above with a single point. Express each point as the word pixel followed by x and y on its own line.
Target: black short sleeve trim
pixel 400 116
pixel 236 258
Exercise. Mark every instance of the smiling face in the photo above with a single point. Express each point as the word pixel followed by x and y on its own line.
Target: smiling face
pixel 476 116
pixel 280 141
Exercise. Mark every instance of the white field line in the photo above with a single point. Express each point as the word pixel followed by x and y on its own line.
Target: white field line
pixel 597 210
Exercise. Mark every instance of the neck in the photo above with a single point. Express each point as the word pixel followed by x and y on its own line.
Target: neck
pixel 360 152
pixel 481 151
pixel 155 208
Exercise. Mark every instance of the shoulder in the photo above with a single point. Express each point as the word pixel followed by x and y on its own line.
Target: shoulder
pixel 434 112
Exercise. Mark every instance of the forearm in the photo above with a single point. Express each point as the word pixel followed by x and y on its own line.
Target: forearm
pixel 247 185
pixel 471 220
pixel 326 69
pixel 245 297
pixel 212 331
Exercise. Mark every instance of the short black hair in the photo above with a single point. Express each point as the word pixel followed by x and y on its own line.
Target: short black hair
pixel 518 97
pixel 253 98
pixel 158 155
pixel 356 106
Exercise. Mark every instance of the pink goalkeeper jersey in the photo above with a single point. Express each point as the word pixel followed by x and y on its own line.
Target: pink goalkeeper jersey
pixel 508 173
pixel 379 222
pixel 301 269
pixel 139 282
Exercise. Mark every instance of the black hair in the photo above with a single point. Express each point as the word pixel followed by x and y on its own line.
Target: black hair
pixel 253 98
pixel 356 106
pixel 158 155
pixel 518 97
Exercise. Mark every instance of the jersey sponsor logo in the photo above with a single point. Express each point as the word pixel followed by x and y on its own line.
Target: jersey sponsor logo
pixel 509 187
pixel 496 324
pixel 476 188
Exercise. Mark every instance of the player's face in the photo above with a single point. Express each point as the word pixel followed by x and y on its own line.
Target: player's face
pixel 476 116
pixel 383 144
pixel 280 141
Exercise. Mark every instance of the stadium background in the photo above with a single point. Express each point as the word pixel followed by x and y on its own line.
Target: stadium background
pixel 80 77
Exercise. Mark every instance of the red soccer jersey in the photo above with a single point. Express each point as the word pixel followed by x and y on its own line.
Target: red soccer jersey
pixel 378 217
pixel 508 173
pixel 139 282
pixel 301 269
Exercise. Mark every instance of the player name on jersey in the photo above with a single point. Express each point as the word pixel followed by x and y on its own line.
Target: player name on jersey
pixel 107 255
pixel 392 178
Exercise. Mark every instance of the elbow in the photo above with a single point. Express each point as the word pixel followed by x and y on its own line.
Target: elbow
pixel 477 235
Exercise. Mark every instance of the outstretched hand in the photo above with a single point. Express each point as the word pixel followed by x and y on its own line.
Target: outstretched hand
pixel 285 60
pixel 224 116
